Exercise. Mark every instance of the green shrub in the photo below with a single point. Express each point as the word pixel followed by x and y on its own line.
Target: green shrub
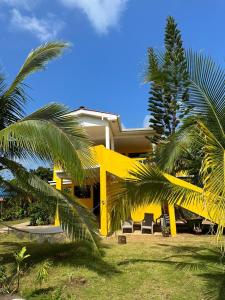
pixel 13 211
pixel 40 214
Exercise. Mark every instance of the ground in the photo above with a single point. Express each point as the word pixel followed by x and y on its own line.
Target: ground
pixel 147 267
pixel 15 222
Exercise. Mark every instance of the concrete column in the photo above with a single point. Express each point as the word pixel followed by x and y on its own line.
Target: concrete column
pixel 103 202
pixel 173 228
pixel 59 186
pixel 107 136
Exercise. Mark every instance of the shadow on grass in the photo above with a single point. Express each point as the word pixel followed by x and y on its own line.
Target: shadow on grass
pixel 42 291
pixel 72 254
pixel 202 262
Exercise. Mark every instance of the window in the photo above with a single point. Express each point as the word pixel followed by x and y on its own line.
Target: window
pixel 82 192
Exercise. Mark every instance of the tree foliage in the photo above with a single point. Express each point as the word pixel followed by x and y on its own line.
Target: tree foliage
pixel 167 73
pixel 205 128
pixel 44 173
pixel 48 135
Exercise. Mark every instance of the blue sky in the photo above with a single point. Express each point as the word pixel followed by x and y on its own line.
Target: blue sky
pixel 104 68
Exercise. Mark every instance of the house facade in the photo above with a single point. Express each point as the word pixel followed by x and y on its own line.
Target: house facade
pixel 117 150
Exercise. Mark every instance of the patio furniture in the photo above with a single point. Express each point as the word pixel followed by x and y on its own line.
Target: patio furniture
pixel 127 225
pixel 147 223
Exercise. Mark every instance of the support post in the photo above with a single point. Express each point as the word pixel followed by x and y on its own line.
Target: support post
pixel 59 186
pixel 103 202
pixel 59 183
pixel 57 221
pixel 173 228
pixel 107 136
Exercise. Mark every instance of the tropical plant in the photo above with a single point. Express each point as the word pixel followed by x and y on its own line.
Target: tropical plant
pixel 20 257
pixel 49 135
pixel 40 213
pixel 43 272
pixel 206 128
pixel 11 283
pixel 168 76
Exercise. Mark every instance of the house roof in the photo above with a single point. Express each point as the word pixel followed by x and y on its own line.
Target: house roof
pixel 84 108
pixel 95 122
pixel 84 111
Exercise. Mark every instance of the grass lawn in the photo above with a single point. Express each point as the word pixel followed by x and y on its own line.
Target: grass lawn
pixel 144 268
pixel 15 222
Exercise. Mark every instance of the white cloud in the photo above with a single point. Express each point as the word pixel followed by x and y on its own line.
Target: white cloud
pixel 25 4
pixel 43 29
pixel 102 14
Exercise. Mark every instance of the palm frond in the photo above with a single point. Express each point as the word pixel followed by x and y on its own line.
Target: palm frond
pixel 77 221
pixel 37 60
pixel 50 134
pixel 13 99
pixel 207 90
pixel 178 144
pixel 148 185
pixel 10 107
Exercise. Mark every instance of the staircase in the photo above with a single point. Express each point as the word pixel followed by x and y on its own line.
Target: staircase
pixel 120 166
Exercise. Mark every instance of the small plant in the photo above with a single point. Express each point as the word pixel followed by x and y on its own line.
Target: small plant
pixel 42 272
pixel 7 282
pixel 19 257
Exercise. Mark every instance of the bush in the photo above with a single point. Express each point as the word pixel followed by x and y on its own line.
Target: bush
pixel 40 214
pixel 13 210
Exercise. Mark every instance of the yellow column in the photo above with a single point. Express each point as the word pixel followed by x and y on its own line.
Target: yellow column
pixel 173 229
pixel 59 183
pixel 59 186
pixel 57 221
pixel 103 202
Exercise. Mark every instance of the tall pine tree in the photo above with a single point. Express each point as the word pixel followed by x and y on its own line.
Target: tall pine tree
pixel 168 101
pixel 155 106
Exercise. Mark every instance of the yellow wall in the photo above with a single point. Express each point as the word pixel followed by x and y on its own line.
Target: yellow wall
pixel 119 165
pixel 87 202
pixel 138 214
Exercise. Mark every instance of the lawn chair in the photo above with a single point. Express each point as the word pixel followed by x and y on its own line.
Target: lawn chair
pixel 147 223
pixel 127 225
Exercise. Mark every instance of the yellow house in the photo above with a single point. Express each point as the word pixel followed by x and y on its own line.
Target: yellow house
pixel 117 150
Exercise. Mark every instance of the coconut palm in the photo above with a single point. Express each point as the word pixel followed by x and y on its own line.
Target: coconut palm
pixel 205 128
pixel 47 135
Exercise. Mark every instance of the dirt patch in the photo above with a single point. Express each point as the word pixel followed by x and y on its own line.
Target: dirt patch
pixel 76 281
pixel 10 297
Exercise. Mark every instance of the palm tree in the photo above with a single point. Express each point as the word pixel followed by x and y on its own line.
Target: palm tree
pixel 205 128
pixel 49 135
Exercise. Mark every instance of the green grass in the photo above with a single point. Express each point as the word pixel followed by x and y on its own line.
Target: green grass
pixel 153 268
